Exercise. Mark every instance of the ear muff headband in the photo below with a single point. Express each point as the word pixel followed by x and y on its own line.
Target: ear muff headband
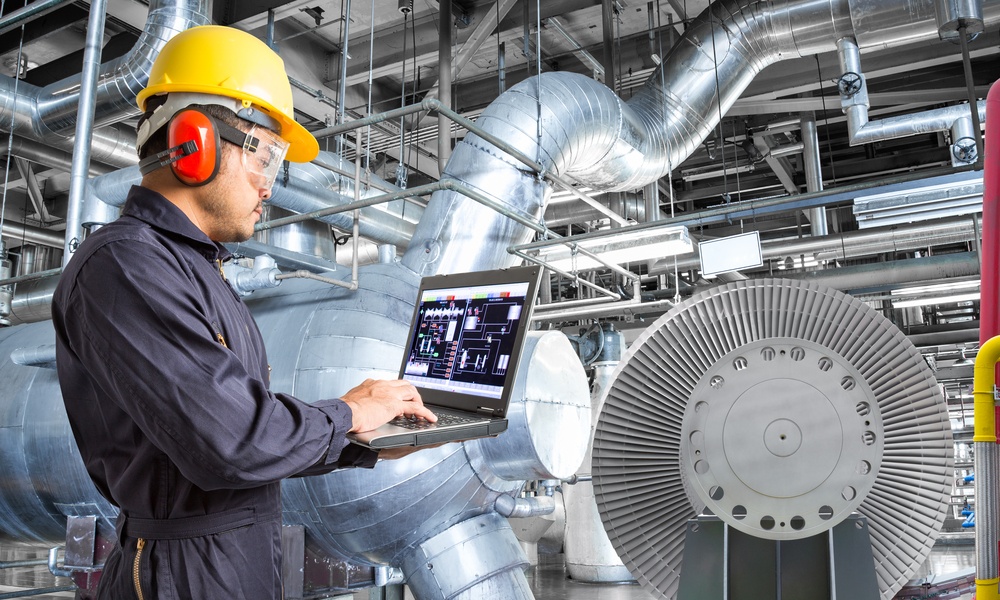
pixel 201 166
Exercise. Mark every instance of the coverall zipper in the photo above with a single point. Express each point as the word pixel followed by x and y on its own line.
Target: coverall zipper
pixel 135 568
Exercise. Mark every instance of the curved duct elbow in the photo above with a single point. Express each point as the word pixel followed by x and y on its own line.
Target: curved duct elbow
pixel 49 114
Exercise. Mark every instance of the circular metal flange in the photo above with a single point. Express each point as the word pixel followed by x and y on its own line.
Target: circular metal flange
pixel 781 439
pixel 643 445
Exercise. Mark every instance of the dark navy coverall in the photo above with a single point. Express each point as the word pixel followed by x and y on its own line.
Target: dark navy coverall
pixel 165 380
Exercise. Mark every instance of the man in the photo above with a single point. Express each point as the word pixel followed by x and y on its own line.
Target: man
pixel 162 368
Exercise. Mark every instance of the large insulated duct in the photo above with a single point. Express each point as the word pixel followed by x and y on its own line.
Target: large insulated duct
pixel 575 126
pixel 49 114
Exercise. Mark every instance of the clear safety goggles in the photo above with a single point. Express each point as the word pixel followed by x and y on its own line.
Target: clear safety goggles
pixel 263 153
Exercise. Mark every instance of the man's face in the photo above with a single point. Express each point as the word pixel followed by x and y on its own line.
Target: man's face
pixel 232 203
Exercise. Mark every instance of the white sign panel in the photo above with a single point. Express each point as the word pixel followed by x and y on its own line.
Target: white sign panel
pixel 730 253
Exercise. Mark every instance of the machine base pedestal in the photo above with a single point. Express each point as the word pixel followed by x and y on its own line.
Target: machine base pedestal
pixel 835 565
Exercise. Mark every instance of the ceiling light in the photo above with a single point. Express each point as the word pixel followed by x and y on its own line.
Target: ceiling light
pixel 932 300
pixel 620 245
pixel 938 287
pixel 920 204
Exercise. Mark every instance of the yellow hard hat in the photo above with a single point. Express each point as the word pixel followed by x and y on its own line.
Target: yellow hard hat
pixel 223 61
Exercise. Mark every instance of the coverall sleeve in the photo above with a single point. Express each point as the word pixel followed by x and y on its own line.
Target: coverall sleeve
pixel 144 335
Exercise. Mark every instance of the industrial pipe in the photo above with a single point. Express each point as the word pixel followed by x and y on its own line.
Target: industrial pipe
pixel 984 415
pixel 984 444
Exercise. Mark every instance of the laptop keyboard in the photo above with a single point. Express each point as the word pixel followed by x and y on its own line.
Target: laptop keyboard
pixel 444 419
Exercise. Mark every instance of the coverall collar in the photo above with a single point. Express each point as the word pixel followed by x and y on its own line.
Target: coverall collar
pixel 152 208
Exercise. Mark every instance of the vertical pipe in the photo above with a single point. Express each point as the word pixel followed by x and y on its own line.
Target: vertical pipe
pixel 813 170
pixel 342 87
pixel 502 68
pixel 971 89
pixel 84 128
pixel 608 21
pixel 444 82
pixel 984 410
pixel 984 443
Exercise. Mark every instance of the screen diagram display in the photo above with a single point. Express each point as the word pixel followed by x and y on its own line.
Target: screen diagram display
pixel 464 338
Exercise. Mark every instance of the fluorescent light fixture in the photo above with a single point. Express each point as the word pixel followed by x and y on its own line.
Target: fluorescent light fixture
pixel 938 293
pixel 619 246
pixel 938 288
pixel 932 300
pixel 920 203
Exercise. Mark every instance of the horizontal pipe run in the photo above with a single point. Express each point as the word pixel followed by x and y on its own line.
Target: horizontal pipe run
pixel 38 592
pixel 317 277
pixel 14 564
pixel 612 309
pixel 576 278
pixel 767 206
pixel 31 276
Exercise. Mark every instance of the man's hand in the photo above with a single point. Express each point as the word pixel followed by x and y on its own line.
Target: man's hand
pixel 378 401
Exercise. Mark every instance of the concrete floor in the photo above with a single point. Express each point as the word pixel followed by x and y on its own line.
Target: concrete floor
pixel 547 579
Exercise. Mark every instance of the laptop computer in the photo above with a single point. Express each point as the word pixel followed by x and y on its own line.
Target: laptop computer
pixel 462 353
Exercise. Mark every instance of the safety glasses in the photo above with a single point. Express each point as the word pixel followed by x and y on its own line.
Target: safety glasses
pixel 263 153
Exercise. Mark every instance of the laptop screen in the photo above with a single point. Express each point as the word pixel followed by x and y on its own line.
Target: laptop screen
pixel 466 336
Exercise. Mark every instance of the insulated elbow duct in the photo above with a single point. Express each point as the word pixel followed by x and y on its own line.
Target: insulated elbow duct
pixel 48 114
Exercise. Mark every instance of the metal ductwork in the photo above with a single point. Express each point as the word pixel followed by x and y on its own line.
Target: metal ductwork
pixel 577 127
pixel 48 114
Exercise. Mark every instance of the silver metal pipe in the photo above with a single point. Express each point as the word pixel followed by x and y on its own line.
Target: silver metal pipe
pixel 814 172
pixel 36 356
pixel 854 244
pixel 444 81
pixel 48 156
pixel 32 235
pixel 855 105
pixel 37 9
pixel 926 268
pixel 987 492
pixel 520 508
pixel 84 127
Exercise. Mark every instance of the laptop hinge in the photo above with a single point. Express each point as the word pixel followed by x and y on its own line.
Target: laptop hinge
pixel 489 412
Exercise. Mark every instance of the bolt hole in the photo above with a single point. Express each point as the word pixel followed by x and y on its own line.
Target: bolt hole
pixel 739 512
pixel 767 523
pixel 798 523
pixel 716 493
pixel 825 512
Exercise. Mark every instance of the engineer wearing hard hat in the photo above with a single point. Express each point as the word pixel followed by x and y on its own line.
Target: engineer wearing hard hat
pixel 162 368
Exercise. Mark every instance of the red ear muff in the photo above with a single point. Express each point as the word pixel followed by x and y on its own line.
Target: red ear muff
pixel 202 165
